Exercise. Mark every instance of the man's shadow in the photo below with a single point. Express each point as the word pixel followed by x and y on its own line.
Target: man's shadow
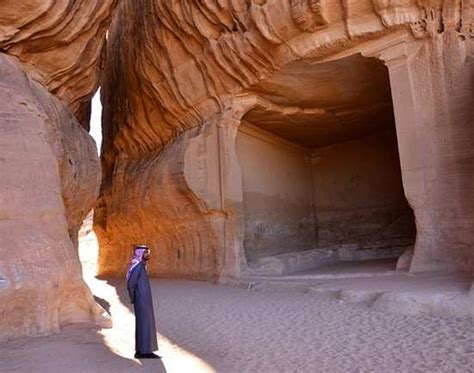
pixel 121 290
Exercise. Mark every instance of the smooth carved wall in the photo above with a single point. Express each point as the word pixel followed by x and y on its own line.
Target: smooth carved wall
pixel 359 196
pixel 277 202
pixel 346 195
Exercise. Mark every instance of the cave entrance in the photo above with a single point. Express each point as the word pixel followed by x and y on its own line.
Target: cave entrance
pixel 320 170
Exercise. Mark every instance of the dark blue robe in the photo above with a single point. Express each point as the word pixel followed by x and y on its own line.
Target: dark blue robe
pixel 139 290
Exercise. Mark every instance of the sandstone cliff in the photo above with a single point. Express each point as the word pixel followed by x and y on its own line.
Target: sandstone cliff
pixel 49 64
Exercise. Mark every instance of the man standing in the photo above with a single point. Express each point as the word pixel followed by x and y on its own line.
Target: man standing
pixel 139 291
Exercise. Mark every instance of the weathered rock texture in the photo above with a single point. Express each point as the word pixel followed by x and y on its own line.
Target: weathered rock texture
pixel 50 173
pixel 59 44
pixel 182 76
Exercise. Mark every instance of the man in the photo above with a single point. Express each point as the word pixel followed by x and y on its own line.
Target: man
pixel 139 291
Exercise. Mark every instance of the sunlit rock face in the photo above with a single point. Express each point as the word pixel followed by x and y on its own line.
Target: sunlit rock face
pixel 50 173
pixel 182 77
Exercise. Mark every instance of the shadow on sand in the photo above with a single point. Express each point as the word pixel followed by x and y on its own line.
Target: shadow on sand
pixel 119 285
pixel 77 348
pixel 104 303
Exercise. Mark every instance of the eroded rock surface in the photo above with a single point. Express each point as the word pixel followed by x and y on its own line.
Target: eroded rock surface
pixel 59 44
pixel 181 77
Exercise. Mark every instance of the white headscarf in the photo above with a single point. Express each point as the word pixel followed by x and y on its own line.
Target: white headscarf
pixel 136 259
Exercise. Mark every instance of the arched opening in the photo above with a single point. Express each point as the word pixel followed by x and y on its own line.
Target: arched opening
pixel 320 169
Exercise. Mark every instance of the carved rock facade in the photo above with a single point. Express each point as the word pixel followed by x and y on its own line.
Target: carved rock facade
pixel 188 83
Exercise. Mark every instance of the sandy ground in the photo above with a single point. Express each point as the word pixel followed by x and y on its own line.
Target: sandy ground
pixel 210 328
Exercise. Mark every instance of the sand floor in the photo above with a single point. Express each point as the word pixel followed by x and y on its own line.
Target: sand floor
pixel 210 328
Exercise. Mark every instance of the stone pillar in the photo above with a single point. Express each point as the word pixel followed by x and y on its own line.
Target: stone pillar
pixel 432 87
pixel 212 173
pixel 233 260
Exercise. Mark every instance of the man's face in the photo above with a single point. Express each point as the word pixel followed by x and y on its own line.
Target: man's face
pixel 146 255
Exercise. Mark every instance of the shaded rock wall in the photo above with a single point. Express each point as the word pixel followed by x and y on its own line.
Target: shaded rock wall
pixel 277 196
pixel 348 195
pixel 359 195
pixel 50 172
